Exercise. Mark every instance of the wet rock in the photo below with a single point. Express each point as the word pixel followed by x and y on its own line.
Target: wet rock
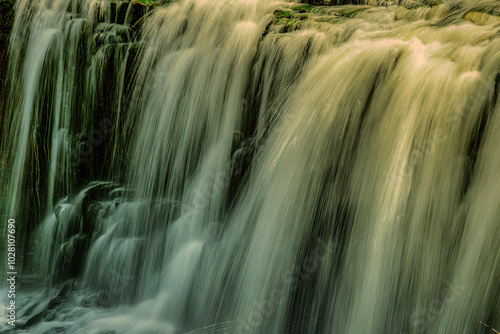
pixel 6 22
pixel 75 225
pixel 55 302
pixel 137 11
pixel 119 10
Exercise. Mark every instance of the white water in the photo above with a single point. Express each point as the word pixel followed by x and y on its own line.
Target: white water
pixel 338 178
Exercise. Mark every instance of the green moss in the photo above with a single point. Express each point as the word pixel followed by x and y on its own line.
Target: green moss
pixel 286 21
pixel 302 8
pixel 154 3
pixel 160 3
pixel 281 14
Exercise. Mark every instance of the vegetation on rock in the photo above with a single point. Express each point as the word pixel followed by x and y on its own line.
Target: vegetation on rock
pixel 302 8
pixel 7 5
pixel 6 22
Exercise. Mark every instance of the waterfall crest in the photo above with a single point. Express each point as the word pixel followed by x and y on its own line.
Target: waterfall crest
pixel 251 166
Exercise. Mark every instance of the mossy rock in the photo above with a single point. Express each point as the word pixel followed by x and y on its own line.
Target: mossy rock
pixel 283 14
pixel 288 17
pixel 302 8
pixel 143 2
pixel 287 21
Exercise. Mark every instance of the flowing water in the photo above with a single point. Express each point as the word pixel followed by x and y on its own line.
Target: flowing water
pixel 251 166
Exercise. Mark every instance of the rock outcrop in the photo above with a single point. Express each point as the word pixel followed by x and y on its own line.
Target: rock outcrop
pixel 6 21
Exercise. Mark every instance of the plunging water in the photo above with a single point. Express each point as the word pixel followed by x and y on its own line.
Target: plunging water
pixel 230 166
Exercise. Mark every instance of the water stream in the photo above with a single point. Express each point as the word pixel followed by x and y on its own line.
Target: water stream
pixel 251 166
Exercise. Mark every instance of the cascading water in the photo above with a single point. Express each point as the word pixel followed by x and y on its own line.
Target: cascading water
pixel 250 166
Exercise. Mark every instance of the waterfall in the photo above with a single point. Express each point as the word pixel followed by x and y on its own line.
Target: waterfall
pixel 253 166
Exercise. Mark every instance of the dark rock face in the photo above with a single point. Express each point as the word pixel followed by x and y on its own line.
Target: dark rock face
pixel 6 22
